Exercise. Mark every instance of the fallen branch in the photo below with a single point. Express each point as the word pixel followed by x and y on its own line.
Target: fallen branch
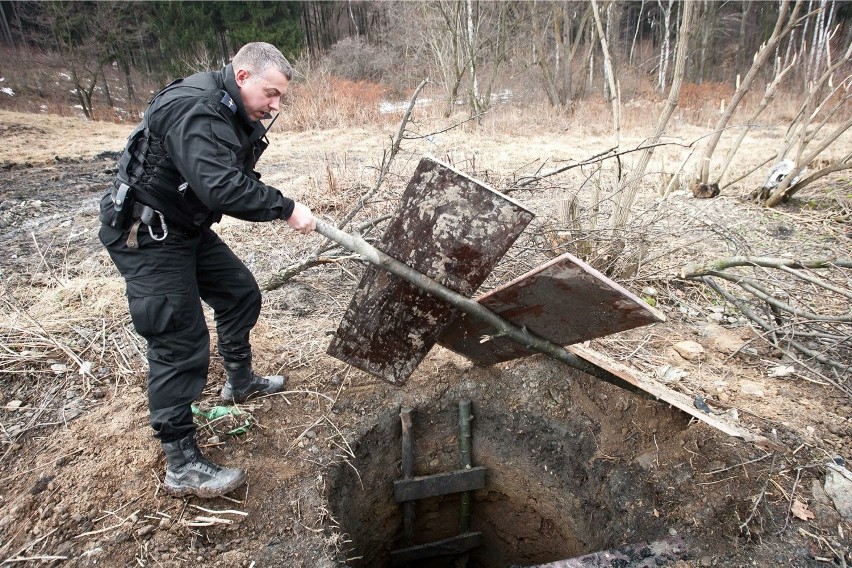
pixel 605 155
pixel 38 559
pixel 757 290
pixel 691 270
pixel 786 322
pixel 744 524
pixel 222 512
pixel 790 500
pixel 742 306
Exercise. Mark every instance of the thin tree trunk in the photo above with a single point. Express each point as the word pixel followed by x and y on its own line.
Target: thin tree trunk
pixel 636 34
pixel 704 52
pixel 5 30
pixel 627 197
pixel 106 89
pixel 562 67
pixel 78 89
pixel 128 82
pixel 783 26
pixel 471 41
pixel 816 40
pixel 664 49
pixel 609 74
pixel 742 45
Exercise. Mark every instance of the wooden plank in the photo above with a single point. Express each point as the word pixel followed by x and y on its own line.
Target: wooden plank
pixel 564 301
pixel 407 473
pixel 453 229
pixel 679 400
pixel 438 484
pixel 449 546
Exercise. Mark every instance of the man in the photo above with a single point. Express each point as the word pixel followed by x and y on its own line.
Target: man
pixel 190 161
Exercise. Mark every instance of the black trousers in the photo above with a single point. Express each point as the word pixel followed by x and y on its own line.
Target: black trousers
pixel 166 282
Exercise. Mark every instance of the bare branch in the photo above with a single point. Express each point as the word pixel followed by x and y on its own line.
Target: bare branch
pixel 691 270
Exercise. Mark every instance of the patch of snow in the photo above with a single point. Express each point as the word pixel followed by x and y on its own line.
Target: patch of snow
pixel 502 97
pixel 65 76
pixel 8 91
pixel 386 107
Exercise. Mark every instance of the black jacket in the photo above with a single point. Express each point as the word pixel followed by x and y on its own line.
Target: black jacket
pixel 200 136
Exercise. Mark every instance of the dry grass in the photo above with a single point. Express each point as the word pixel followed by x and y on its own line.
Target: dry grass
pixel 77 330
pixel 323 101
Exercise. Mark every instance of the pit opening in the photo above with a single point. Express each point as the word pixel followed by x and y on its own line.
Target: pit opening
pixel 553 491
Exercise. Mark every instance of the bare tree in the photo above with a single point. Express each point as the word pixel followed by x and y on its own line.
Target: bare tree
pixel 768 97
pixel 558 30
pixel 465 38
pixel 82 38
pixel 609 74
pixel 629 194
pixel 785 23
pixel 443 25
pixel 825 101
pixel 665 32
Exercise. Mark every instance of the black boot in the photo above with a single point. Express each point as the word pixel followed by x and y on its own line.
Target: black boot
pixel 243 383
pixel 189 472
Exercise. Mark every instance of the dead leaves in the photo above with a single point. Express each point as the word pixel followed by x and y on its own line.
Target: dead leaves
pixel 800 510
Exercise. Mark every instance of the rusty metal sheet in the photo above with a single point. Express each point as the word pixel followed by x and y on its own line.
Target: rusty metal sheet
pixel 564 301
pixel 453 229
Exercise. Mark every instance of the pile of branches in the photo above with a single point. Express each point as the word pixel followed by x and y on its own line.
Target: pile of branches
pixel 802 307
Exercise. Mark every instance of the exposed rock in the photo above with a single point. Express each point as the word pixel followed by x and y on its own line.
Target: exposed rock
pixel 838 487
pixel 689 350
pixel 752 388
pixel 721 339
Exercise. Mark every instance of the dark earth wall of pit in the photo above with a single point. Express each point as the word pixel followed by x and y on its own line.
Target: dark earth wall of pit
pixel 553 491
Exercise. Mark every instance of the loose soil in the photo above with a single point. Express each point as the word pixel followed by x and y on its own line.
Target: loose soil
pixel 574 465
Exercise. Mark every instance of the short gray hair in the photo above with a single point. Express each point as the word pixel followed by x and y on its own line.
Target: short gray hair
pixel 258 56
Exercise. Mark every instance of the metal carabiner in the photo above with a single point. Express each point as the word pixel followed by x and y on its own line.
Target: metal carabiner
pixel 163 226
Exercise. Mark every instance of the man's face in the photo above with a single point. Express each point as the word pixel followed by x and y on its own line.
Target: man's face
pixel 261 93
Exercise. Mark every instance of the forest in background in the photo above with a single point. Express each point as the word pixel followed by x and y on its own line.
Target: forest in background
pixel 560 52
pixel 726 61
